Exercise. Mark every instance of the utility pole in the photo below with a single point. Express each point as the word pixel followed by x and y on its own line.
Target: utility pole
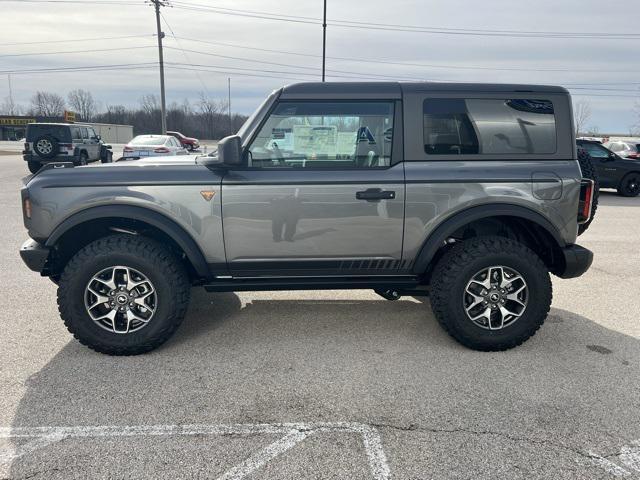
pixel 324 38
pixel 229 107
pixel 163 104
pixel 12 107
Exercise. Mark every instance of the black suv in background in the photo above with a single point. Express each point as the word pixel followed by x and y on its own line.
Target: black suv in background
pixel 63 142
pixel 614 171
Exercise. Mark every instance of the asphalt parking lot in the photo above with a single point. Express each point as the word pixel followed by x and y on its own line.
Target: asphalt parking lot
pixel 326 384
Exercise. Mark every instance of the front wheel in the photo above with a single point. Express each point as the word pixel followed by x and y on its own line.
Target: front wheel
pixel 491 293
pixel 123 295
pixel 630 185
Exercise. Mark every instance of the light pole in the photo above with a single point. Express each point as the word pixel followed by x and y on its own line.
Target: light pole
pixel 324 38
pixel 163 104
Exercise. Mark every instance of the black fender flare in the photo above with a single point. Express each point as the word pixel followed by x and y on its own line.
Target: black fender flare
pixel 146 215
pixel 447 227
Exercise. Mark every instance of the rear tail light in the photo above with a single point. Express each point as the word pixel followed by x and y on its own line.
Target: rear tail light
pixel 26 207
pixel 634 155
pixel 128 149
pixel 66 146
pixel 587 190
pixel 162 150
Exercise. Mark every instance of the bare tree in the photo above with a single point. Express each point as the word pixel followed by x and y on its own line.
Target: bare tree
pixel 209 109
pixel 10 107
pixel 150 104
pixel 47 104
pixel 82 102
pixel 581 115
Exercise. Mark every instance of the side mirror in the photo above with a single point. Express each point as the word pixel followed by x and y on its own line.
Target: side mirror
pixel 230 151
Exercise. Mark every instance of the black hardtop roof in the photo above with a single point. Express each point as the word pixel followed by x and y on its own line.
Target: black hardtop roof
pixel 396 88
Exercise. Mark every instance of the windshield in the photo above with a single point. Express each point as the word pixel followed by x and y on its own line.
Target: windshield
pixel 144 140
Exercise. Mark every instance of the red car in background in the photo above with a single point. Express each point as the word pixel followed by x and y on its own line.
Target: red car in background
pixel 187 142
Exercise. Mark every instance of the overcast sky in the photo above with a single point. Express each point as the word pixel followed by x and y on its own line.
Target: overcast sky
pixel 601 71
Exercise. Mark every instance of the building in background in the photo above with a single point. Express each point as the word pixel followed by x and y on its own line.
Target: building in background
pixel 13 127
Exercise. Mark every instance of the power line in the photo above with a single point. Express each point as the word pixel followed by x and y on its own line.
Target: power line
pixel 84 2
pixel 405 28
pixel 74 51
pixel 406 64
pixel 183 52
pixel 289 65
pixel 76 40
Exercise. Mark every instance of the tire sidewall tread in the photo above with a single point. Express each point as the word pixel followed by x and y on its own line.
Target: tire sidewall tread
pixel 163 269
pixel 461 263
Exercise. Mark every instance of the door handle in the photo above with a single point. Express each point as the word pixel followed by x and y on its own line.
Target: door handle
pixel 375 194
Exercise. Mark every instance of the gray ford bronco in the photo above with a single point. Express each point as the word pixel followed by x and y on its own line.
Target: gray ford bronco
pixel 468 193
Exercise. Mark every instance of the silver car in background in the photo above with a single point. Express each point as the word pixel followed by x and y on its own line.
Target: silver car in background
pixel 625 148
pixel 153 146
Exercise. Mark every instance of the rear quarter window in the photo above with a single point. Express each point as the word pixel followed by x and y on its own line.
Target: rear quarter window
pixel 59 132
pixel 489 126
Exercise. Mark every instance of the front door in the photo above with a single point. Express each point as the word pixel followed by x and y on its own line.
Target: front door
pixel 322 193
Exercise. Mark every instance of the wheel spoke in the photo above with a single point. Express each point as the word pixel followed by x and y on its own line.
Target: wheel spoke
pixel 477 300
pixel 132 316
pixel 486 313
pixel 507 282
pixel 514 298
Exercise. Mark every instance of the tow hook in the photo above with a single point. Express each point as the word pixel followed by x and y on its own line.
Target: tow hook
pixel 389 294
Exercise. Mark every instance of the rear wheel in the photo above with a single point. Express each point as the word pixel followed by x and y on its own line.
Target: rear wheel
pixel 123 295
pixel 34 166
pixel 491 293
pixel 83 159
pixel 630 185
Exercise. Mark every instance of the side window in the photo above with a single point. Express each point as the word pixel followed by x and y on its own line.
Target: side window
pixel 457 126
pixel 596 151
pixel 85 133
pixel 76 134
pixel 92 133
pixel 325 135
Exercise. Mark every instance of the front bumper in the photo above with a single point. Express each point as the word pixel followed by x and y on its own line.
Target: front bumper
pixel 577 260
pixel 34 255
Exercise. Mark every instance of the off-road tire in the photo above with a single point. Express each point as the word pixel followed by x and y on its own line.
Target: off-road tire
pixel 147 256
pixel 83 159
pixel 589 171
pixel 625 189
pixel 55 147
pixel 34 166
pixel 461 263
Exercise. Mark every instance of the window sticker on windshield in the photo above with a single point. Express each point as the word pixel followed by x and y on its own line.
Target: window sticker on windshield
pixel 309 139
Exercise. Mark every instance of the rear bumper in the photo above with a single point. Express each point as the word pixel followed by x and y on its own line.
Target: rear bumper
pixel 32 157
pixel 577 260
pixel 34 255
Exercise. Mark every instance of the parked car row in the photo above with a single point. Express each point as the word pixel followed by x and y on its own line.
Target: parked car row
pixel 77 143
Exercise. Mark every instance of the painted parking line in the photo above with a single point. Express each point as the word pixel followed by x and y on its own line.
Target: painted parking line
pixel 629 457
pixel 291 435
